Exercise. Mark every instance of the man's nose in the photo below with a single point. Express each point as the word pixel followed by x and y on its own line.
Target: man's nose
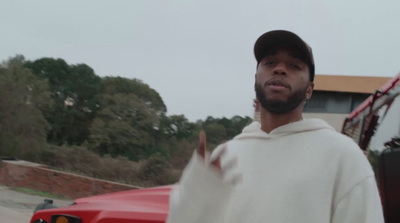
pixel 280 69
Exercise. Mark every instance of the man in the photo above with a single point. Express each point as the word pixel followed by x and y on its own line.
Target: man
pixel 283 169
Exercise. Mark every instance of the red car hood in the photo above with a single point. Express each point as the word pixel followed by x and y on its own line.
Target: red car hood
pixel 149 195
pixel 147 205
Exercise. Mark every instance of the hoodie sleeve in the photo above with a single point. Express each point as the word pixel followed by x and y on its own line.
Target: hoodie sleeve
pixel 361 205
pixel 202 196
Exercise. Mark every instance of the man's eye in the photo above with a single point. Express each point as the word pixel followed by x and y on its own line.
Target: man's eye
pixel 269 63
pixel 295 66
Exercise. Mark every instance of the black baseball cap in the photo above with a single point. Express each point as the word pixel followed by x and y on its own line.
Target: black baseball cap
pixel 284 38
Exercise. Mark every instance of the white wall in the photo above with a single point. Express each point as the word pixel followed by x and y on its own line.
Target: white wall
pixel 335 120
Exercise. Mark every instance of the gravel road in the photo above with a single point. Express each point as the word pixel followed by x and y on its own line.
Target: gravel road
pixel 17 207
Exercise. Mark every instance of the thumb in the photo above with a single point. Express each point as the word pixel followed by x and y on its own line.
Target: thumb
pixel 201 150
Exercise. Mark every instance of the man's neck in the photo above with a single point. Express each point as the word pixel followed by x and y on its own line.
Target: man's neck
pixel 270 121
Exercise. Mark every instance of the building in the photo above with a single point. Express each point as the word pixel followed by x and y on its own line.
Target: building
pixel 335 96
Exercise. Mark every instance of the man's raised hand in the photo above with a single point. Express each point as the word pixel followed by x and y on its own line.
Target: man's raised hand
pixel 215 160
pixel 202 151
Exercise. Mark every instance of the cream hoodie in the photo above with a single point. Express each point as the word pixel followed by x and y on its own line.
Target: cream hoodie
pixel 303 172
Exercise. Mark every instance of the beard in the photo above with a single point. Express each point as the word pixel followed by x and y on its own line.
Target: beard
pixel 278 106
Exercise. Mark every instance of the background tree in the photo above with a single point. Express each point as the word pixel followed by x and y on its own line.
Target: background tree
pixel 23 128
pixel 127 123
pixel 152 99
pixel 113 116
pixel 177 126
pixel 236 125
pixel 219 130
pixel 75 90
pixel 216 134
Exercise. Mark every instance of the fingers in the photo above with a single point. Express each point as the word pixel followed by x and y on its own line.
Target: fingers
pixel 216 159
pixel 201 149
pixel 217 163
pixel 219 152
pixel 232 163
pixel 227 170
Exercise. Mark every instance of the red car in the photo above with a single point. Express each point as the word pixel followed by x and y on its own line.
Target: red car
pixel 134 206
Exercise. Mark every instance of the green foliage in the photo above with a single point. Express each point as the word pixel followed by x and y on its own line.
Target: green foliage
pixel 120 119
pixel 23 128
pixel 122 127
pixel 180 151
pixel 216 133
pixel 158 148
pixel 219 130
pixel 75 91
pixel 120 85
pixel 237 125
pixel 82 161
pixel 126 124
pixel 158 170
pixel 177 126
pixel 36 192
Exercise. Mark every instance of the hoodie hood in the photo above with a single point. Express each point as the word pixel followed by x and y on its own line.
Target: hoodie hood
pixel 254 129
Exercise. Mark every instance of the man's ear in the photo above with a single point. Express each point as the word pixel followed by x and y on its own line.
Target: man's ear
pixel 256 105
pixel 310 90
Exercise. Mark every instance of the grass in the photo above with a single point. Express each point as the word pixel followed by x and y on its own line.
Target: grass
pixel 36 192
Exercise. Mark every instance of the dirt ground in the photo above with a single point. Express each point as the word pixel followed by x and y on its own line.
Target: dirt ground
pixel 18 207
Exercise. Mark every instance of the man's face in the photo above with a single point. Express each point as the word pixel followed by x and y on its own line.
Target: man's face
pixel 282 81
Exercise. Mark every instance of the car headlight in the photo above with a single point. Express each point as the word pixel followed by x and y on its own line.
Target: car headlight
pixel 65 219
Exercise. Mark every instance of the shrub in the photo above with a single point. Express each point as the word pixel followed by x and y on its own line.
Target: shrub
pixel 81 161
pixel 157 171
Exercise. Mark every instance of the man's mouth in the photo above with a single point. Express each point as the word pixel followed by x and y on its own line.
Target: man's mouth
pixel 277 83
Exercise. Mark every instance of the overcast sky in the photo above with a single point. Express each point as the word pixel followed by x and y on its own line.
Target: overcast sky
pixel 198 54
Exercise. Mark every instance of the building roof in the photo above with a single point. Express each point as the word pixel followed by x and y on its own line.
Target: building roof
pixel 352 84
